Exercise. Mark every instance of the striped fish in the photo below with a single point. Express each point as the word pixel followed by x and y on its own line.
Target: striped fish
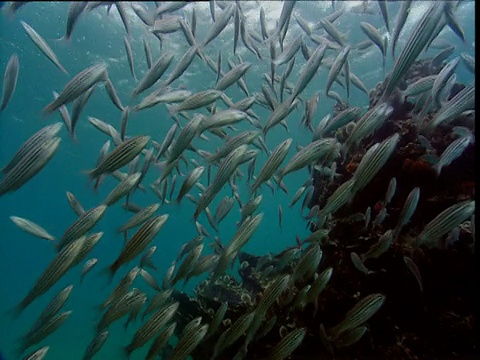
pixel 52 308
pixel 95 345
pixel 140 217
pixel 272 164
pixel 122 189
pixel 367 125
pixel 311 153
pixel 463 101
pixel 359 314
pixel 154 73
pixel 128 50
pixel 82 225
pixel 217 319
pixel 32 142
pixel 122 306
pixel 54 271
pixel 308 71
pixel 122 288
pixel 341 196
pixel 121 156
pixel 29 165
pixel 233 333
pixel 152 326
pixel 47 328
pixel 160 341
pixel 445 222
pixel 232 76
pixel 372 162
pixel 441 80
pixel 287 345
pixel 225 171
pixel 452 152
pixel 80 83
pixel 138 242
pixel 418 40
pixel 189 342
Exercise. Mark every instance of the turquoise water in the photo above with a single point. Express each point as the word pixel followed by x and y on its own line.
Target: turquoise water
pixel 99 37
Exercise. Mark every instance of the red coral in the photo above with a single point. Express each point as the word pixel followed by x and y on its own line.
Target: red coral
pixel 418 165
pixel 351 167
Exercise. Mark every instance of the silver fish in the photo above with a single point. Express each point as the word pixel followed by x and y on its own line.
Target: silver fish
pixel 32 228
pixel 128 49
pixel 154 73
pixel 43 46
pixel 80 83
pixel 9 80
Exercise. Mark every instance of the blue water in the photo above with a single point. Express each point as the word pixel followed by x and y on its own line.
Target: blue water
pixel 98 37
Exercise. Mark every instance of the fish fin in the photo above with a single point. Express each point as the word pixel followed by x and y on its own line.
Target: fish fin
pixel 63 41
pixel 438 168
pixel 109 272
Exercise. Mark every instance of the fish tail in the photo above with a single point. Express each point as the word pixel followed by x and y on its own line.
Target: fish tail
pixel 127 351
pixel 64 40
pixel 16 310
pixel 109 272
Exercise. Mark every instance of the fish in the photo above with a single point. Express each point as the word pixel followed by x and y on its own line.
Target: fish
pixel 37 354
pixel 287 345
pixel 188 342
pixel 452 152
pixel 182 65
pixel 226 169
pixel 31 228
pixel 400 22
pixel 47 328
pixel 375 36
pixel 416 43
pixel 219 24
pixel 151 327
pixel 80 83
pixel 313 152
pixel 54 271
pixel 359 314
pixel 30 164
pixel 82 225
pixel 160 341
pixel 154 73
pixel 43 46
pixel 139 241
pixel 120 157
pixel 77 107
pixel 10 80
pixel 337 66
pixel 95 345
pixel 89 264
pixel 190 180
pixel 75 10
pixel 384 10
pixel 232 76
pixel 272 164
pixel 444 222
